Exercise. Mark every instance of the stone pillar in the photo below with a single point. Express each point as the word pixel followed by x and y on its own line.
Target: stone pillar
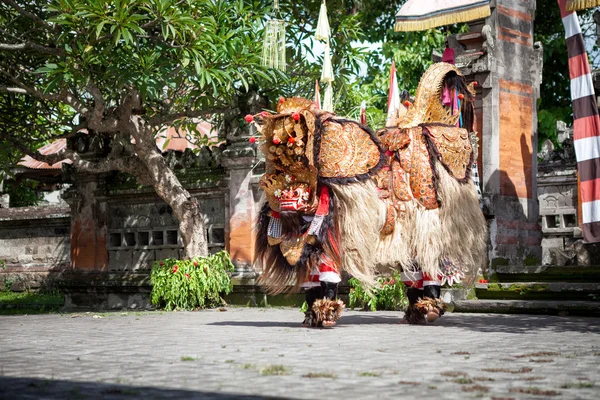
pixel 510 135
pixel 88 224
pixel 500 55
pixel 239 160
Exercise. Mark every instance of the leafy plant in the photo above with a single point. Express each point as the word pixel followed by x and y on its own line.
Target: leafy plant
pixel 190 284
pixel 387 295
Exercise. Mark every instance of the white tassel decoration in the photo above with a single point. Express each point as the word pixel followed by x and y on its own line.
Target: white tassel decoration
pixel 273 54
pixel 327 74
pixel 328 99
pixel 323 32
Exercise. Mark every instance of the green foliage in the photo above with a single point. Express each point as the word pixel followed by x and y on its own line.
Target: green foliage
pixel 191 284
pixel 387 295
pixel 24 193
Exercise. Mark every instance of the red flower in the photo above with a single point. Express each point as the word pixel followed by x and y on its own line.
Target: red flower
pixel 195 263
pixel 461 96
pixel 187 276
pixel 407 103
pixel 252 140
pixel 296 116
pixel 175 269
pixel 392 281
pixel 162 264
pixel 249 118
pixel 205 269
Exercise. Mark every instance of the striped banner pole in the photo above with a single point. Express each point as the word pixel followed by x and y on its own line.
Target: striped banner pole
pixel 586 126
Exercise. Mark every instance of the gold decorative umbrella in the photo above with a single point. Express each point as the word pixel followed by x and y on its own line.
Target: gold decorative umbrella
pixel 577 5
pixel 418 15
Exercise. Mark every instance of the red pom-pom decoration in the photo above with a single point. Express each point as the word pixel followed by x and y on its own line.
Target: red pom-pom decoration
pixel 296 116
pixel 407 103
pixel 461 96
pixel 249 118
pixel 264 114
pixel 389 153
pixel 252 140
pixel 281 99
pixel 475 83
pixel 276 141
pixel 291 140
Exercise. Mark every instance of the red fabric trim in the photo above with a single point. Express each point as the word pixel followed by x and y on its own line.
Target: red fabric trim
pixel 275 214
pixel 313 278
pixel 563 8
pixel 326 268
pixel 586 127
pixel 590 190
pixel 323 208
pixel 579 66
pixel 414 284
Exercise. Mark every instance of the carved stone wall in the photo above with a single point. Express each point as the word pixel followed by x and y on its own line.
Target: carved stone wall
pixel 557 196
pixel 34 245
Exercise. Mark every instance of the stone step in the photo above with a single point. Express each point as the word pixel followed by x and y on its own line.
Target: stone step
pixel 538 291
pixel 581 308
pixel 506 273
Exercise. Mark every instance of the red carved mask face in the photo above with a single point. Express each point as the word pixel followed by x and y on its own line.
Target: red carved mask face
pixel 295 198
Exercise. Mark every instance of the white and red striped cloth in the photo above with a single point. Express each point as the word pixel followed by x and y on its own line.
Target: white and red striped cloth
pixel 325 273
pixel 586 125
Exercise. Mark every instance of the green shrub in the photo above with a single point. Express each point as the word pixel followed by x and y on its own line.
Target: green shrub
pixel 190 284
pixel 387 295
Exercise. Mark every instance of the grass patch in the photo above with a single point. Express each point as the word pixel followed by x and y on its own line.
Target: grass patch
pixel 369 373
pixel 248 366
pixel 14 303
pixel 315 375
pixel 532 378
pixel 275 370
pixel 453 374
pixel 229 361
pixel 461 353
pixel 541 360
pixel 535 391
pixel 462 381
pixel 523 370
pixel 483 379
pixel 409 383
pixel 476 388
pixel 539 354
pixel 187 358
pixel 577 385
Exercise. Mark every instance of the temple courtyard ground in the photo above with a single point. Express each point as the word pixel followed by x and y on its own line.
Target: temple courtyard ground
pixel 253 353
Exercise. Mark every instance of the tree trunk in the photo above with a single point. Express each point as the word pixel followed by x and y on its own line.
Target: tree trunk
pixel 186 208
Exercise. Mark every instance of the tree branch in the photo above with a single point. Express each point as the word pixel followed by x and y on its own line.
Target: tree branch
pixel 129 164
pixel 28 14
pixel 64 96
pixel 12 90
pixel 32 46
pixel 168 118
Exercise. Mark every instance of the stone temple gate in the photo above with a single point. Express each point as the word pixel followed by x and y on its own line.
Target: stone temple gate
pixel 107 225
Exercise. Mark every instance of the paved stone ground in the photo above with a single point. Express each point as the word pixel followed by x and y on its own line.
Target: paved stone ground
pixel 239 352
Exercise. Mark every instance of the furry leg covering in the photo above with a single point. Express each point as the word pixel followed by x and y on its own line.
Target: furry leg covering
pixel 325 310
pixel 360 215
pixel 455 231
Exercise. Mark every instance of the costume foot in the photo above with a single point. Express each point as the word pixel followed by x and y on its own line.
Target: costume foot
pixel 432 315
pixel 326 312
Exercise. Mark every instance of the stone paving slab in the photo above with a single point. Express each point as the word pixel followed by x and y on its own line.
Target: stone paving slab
pixel 252 353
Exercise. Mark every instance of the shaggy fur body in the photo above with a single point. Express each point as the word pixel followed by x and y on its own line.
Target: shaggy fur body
pixel 455 230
